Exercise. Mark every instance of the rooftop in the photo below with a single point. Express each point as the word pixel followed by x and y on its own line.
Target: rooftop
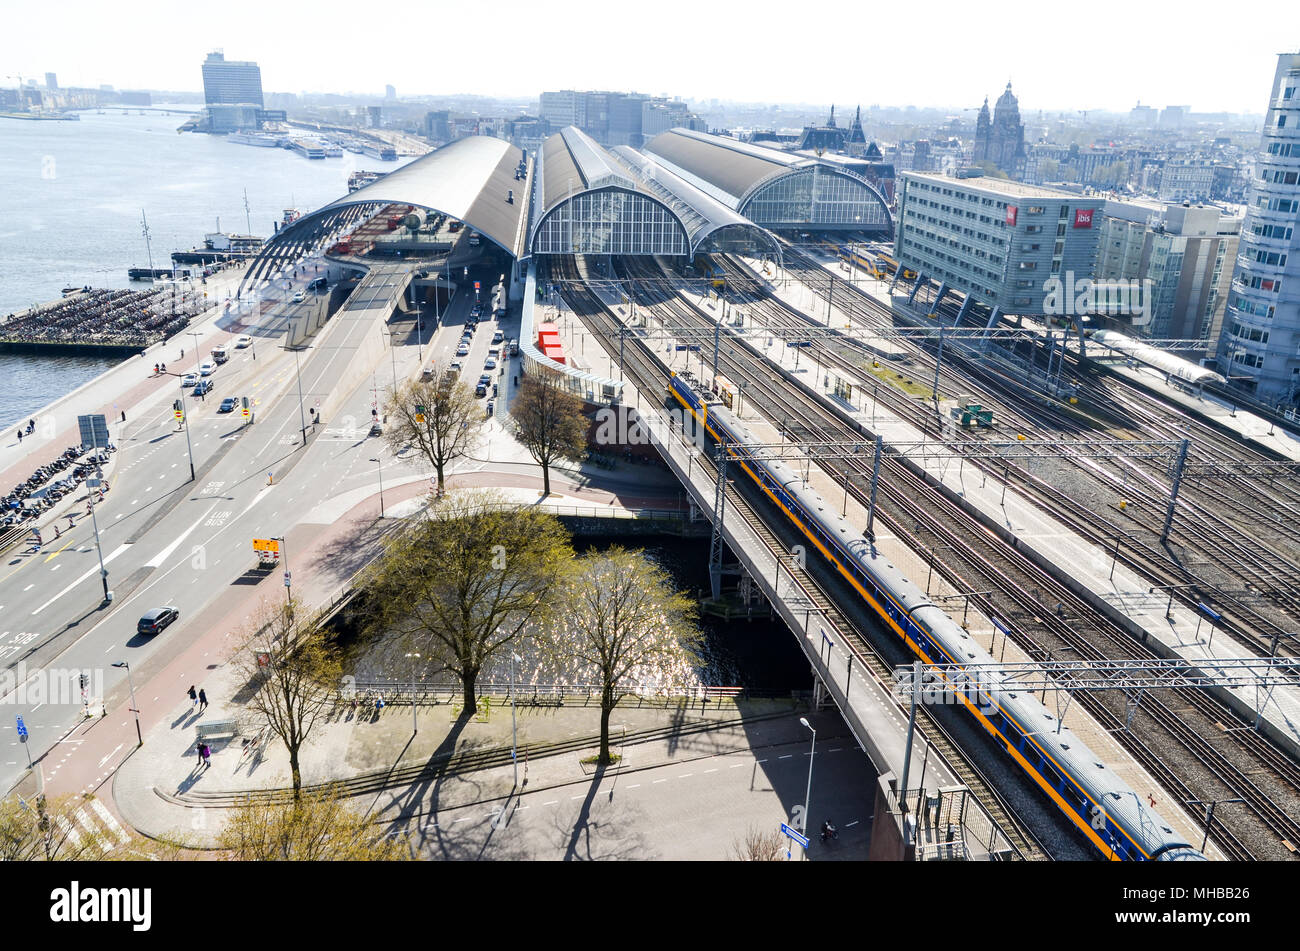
pixel 1001 186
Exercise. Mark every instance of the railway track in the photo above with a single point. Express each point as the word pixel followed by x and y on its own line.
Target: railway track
pixel 1211 771
pixel 1260 569
pixel 650 377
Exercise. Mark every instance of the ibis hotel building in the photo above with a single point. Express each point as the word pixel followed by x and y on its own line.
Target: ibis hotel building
pixel 1004 244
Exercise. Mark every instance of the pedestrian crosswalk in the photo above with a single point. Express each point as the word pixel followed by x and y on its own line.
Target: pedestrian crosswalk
pixel 94 826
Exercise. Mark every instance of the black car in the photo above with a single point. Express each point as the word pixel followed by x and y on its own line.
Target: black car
pixel 156 620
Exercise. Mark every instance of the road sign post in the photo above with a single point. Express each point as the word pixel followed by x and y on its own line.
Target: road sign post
pixel 794 835
pixel 22 738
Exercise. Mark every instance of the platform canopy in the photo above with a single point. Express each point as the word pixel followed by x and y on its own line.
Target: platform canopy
pixel 773 188
pixel 470 179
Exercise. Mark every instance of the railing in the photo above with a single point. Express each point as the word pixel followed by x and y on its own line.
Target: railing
pixel 395 690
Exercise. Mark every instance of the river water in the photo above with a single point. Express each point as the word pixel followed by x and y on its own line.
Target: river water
pixel 71 196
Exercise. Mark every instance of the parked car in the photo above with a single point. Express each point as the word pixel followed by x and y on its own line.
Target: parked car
pixel 228 405
pixel 455 367
pixel 157 619
pixel 480 390
pixel 207 368
pixel 498 337
pixel 491 405
pixel 242 341
pixel 462 350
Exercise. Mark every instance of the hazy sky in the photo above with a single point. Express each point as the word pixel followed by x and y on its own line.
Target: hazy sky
pixel 1102 54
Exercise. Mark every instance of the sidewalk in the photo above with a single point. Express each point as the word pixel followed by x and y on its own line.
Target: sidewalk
pixel 162 791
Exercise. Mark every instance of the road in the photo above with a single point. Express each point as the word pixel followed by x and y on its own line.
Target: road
pixel 167 540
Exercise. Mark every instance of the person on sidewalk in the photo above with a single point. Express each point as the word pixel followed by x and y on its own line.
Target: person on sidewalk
pixel 203 700
pixel 206 754
pixel 20 435
pixel 199 750
pixel 194 697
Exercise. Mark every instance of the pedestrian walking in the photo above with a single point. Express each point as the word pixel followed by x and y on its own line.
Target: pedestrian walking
pixel 203 700
pixel 199 750
pixel 194 697
pixel 20 436
pixel 206 754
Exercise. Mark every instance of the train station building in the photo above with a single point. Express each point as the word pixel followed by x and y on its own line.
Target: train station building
pixel 774 189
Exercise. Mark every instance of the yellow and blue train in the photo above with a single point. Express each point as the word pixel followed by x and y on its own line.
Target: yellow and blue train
pixel 1114 818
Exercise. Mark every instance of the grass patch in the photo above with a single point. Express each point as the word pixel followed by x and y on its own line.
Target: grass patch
pixel 614 759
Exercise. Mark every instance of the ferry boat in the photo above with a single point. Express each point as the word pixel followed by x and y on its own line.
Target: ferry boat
pixel 308 148
pixel 263 139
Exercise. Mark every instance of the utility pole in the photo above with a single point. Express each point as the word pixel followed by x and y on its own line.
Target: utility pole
pixel 185 421
pixel 144 229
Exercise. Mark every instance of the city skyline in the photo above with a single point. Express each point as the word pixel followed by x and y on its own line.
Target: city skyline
pixel 580 51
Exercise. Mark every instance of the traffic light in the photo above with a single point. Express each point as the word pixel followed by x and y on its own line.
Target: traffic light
pixel 419 413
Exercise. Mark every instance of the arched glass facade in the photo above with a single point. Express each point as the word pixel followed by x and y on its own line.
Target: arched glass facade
pixel 610 221
pixel 817 196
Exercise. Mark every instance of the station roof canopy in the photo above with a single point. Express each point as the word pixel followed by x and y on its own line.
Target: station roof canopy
pixel 702 214
pixel 468 179
pixel 755 180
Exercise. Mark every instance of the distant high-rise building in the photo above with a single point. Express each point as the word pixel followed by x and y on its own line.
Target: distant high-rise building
pixel 390 92
pixel 231 83
pixel 1174 117
pixel 1261 329
pixel 51 81
pixel 1143 115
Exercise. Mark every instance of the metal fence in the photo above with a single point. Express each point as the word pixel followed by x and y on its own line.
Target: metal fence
pixel 395 690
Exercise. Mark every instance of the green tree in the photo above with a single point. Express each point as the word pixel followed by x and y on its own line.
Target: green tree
pixel 439 417
pixel 36 830
pixel 316 827
pixel 467 581
pixel 550 424
pixel 623 620
pixel 296 675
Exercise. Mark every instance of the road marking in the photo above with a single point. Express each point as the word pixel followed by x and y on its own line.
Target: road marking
pixel 109 756
pixel 551 802
pixel 571 798
pixel 685 776
pixel 707 771
pixel 850 825
pixel 55 554
pixel 786 756
pixel 29 588
pixel 56 568
pixel 762 761
pixel 736 766
pixel 659 781
pixel 835 750
pixel 113 825
pixel 466 819
pixel 89 571
pixel 163 555
pixel 634 786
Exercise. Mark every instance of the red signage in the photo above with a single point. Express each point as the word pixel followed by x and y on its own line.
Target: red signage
pixel 1083 217
pixel 476 285
pixel 1011 215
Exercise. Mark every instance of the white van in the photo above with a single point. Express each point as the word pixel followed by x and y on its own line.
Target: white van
pixel 220 355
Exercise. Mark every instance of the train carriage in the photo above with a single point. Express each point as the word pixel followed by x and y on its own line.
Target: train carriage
pixel 1104 809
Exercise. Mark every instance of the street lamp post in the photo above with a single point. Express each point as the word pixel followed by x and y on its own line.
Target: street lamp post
pixel 94 522
pixel 198 357
pixel 134 707
pixel 302 417
pixel 379 466
pixel 415 723
pixel 807 796
pixel 185 420
pixel 284 547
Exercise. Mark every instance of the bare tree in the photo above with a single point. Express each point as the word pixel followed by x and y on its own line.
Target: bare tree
pixel 466 582
pixel 623 619
pixel 296 675
pixel 439 417
pixel 550 424
pixel 317 827
pixel 759 846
